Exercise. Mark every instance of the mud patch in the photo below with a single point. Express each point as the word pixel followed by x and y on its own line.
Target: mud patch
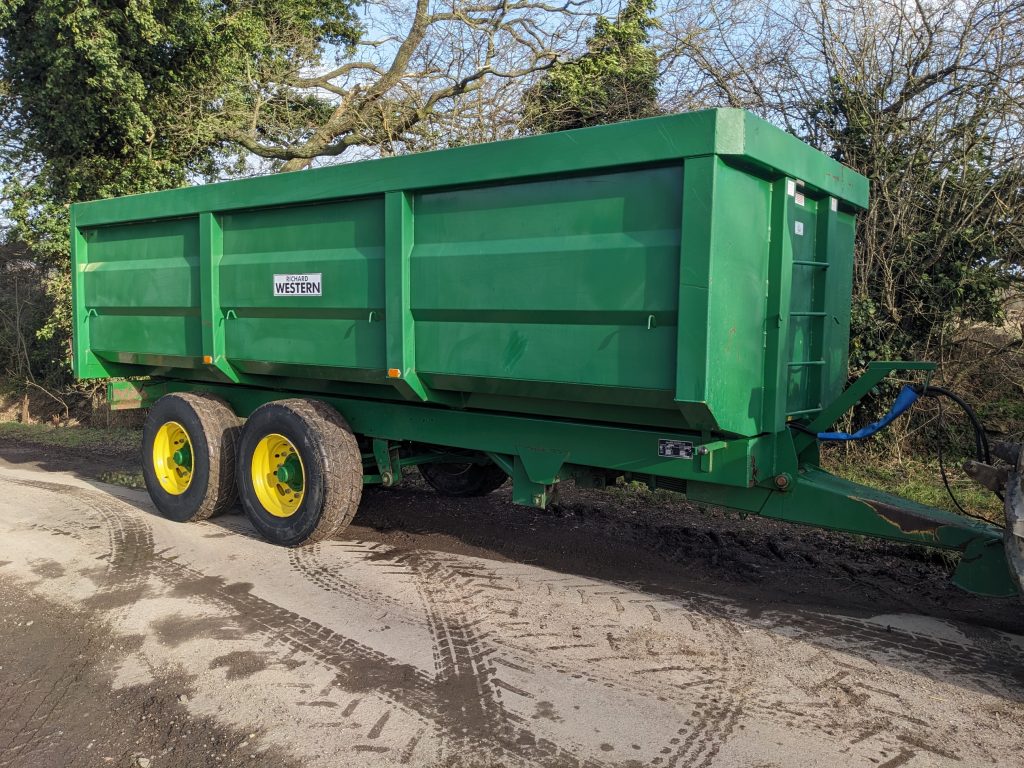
pixel 179 629
pixel 665 544
pixel 546 710
pixel 58 706
pixel 117 598
pixel 47 569
pixel 239 664
pixel 208 587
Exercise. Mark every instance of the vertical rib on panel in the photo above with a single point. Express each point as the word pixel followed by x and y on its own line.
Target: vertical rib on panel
pixel 401 329
pixel 695 256
pixel 83 363
pixel 211 249
pixel 780 280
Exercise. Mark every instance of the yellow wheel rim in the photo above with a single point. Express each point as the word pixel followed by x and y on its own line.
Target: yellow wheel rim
pixel 172 458
pixel 278 475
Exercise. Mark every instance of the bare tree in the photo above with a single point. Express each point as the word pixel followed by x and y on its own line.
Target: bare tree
pixel 422 70
pixel 926 98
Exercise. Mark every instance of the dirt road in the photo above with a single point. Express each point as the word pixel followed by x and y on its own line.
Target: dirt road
pixel 435 633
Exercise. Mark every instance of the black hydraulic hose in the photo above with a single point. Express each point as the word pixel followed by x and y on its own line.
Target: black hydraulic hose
pixel 981 447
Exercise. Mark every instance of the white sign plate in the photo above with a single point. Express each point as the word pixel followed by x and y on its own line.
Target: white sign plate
pixel 299 285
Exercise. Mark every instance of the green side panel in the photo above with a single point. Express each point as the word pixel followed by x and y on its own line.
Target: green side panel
pixel 563 282
pixel 328 336
pixel 646 273
pixel 132 317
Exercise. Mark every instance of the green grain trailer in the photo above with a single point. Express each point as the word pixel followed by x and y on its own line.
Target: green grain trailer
pixel 666 300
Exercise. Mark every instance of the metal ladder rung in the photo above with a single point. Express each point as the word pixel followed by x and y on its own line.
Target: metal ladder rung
pixel 803 363
pixel 804 263
pixel 808 314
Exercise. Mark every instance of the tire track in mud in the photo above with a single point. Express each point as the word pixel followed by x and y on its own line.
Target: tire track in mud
pixel 307 562
pixel 717 713
pixel 707 724
pixel 357 667
pixel 462 672
pixel 129 543
pixel 463 675
pixel 462 588
pixel 991 665
pixel 448 585
pixel 465 586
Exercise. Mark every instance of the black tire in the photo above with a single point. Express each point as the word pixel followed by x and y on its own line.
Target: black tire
pixel 212 429
pixel 331 461
pixel 463 480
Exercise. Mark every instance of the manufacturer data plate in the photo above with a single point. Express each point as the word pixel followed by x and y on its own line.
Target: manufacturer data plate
pixel 675 449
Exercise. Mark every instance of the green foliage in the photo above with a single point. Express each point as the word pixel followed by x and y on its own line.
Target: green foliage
pixel 942 251
pixel 123 477
pixel 106 97
pixel 112 97
pixel 616 79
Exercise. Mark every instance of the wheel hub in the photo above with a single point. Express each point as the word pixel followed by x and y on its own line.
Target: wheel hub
pixel 290 472
pixel 172 458
pixel 278 476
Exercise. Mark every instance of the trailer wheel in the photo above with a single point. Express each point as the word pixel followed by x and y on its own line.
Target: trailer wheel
pixel 300 471
pixel 188 456
pixel 463 480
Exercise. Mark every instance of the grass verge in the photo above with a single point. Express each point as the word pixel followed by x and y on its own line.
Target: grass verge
pixel 114 440
pixel 921 481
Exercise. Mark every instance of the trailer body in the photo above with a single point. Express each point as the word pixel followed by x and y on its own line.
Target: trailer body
pixel 661 298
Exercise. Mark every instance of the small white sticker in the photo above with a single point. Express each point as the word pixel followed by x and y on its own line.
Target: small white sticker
pixel 834 203
pixel 799 198
pixel 790 187
pixel 299 285
pixel 799 227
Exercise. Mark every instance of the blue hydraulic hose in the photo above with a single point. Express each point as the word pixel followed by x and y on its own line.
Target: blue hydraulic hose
pixel 907 397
